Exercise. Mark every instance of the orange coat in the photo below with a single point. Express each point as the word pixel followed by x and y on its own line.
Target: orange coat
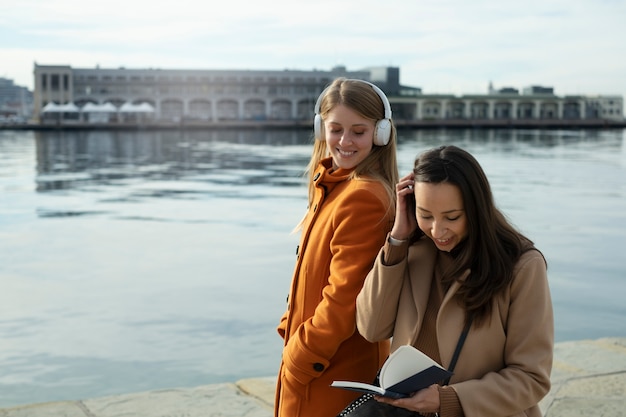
pixel 345 227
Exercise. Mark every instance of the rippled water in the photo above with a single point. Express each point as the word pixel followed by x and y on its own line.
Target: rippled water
pixel 132 261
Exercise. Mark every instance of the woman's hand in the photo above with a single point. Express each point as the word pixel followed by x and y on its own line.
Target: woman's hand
pixel 423 401
pixel 405 222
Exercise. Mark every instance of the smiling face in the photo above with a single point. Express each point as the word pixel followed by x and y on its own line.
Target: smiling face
pixel 349 136
pixel 440 213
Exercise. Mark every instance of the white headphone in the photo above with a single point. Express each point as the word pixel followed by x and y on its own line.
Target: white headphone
pixel 382 134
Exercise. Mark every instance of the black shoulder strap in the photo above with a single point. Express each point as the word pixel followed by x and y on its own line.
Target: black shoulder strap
pixel 459 345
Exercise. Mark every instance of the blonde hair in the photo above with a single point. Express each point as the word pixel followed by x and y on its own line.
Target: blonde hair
pixel 381 163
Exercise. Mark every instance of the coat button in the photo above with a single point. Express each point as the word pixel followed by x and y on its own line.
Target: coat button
pixel 318 367
pixel 316 176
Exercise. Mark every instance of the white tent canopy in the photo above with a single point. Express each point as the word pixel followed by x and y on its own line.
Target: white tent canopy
pixel 136 108
pixel 99 108
pixel 50 107
pixel 60 108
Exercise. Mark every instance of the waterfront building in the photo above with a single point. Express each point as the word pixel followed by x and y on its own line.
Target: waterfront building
pixel 16 102
pixel 175 95
pixel 178 96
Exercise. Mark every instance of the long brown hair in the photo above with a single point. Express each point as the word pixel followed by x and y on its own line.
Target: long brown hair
pixel 492 246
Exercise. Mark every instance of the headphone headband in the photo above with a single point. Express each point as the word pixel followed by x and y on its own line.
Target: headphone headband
pixel 378 91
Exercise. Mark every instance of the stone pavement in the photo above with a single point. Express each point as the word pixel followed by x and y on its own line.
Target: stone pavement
pixel 588 379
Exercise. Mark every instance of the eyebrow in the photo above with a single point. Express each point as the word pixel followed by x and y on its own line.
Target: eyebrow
pixel 354 125
pixel 444 212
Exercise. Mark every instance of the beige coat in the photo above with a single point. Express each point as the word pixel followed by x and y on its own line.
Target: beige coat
pixel 504 367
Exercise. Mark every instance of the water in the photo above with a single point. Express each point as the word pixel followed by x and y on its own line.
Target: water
pixel 132 261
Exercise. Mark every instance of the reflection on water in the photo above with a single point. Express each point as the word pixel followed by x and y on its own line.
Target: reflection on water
pixel 141 260
pixel 97 157
pixel 78 159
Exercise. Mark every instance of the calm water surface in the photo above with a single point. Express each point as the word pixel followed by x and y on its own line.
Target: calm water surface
pixel 144 260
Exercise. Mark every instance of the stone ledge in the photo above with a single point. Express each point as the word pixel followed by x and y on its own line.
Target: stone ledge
pixel 588 378
pixel 263 389
pixel 218 400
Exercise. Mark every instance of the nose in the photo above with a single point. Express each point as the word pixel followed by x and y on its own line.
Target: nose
pixel 437 230
pixel 345 138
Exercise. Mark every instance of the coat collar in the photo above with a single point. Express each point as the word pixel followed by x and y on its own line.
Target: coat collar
pixel 328 177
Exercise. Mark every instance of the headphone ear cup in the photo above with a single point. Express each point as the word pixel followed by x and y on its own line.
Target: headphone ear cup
pixel 383 132
pixel 318 127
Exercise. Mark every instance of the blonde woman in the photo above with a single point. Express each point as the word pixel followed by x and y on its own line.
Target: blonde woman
pixel 352 175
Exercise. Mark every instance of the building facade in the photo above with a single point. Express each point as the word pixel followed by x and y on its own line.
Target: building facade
pixel 212 96
pixel 16 102
pixel 189 95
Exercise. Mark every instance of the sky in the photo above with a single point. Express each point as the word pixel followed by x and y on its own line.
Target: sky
pixel 442 46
